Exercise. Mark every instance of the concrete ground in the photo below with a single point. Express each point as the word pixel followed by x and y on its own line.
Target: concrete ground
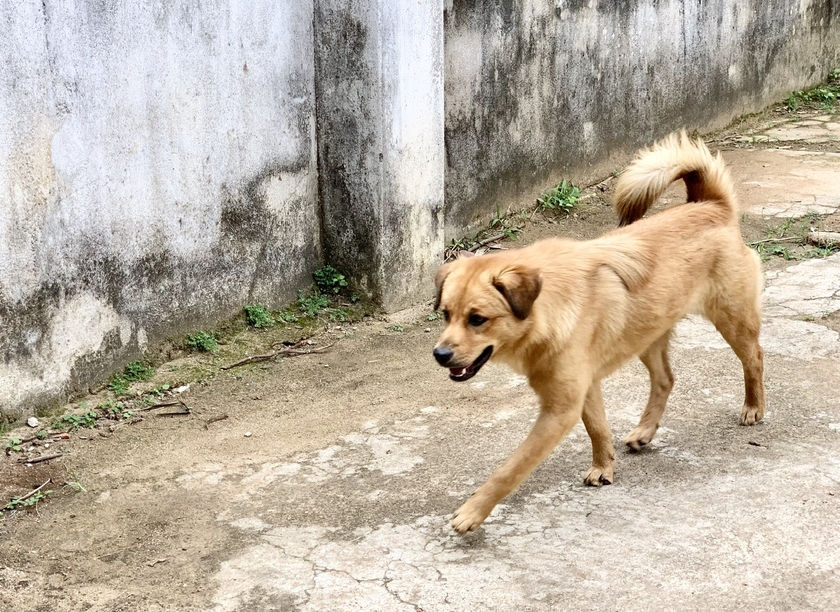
pixel 330 485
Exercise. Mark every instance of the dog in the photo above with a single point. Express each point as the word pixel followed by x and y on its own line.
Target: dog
pixel 568 313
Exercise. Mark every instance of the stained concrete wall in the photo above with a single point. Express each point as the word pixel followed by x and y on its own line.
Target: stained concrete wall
pixel 537 91
pixel 380 141
pixel 162 164
pixel 157 171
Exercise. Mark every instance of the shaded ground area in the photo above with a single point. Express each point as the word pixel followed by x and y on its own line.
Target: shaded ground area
pixel 329 484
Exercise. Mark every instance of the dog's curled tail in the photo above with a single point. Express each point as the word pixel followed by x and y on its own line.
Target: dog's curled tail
pixel 674 157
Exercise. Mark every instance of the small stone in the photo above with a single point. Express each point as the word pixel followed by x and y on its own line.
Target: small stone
pixel 65 436
pixel 247 434
pixel 33 422
pixel 55 580
pixel 427 330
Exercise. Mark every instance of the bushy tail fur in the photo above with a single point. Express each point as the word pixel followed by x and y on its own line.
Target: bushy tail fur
pixel 674 157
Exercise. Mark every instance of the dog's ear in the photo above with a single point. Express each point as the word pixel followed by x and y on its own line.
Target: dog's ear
pixel 520 286
pixel 441 275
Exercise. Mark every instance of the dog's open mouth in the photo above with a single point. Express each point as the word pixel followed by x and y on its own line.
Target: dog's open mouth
pixel 462 374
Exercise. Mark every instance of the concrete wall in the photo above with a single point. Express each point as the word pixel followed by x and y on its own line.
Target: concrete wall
pixel 540 90
pixel 380 142
pixel 157 171
pixel 159 165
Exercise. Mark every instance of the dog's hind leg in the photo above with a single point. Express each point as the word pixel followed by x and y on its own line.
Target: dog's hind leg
pixel 603 453
pixel 655 359
pixel 740 328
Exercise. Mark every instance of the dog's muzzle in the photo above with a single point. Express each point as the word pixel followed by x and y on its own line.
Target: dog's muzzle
pixel 460 374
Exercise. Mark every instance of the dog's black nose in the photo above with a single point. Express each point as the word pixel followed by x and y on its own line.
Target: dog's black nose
pixel 443 355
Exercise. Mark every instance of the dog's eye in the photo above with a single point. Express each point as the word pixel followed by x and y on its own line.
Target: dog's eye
pixel 477 320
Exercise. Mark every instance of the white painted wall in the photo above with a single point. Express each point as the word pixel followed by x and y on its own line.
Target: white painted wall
pixel 126 128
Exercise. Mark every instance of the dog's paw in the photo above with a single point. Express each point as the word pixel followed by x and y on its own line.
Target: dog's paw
pixel 469 516
pixel 597 476
pixel 639 437
pixel 751 415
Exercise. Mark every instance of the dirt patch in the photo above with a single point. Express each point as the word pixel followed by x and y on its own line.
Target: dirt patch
pixel 831 223
pixel 17 480
pixel 780 242
pixel 831 321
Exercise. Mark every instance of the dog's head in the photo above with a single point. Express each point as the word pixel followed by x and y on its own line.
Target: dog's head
pixel 487 303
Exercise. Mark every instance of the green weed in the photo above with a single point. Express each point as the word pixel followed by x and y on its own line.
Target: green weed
pixel 395 328
pixel 13 445
pixel 137 370
pixel 782 251
pixel 825 96
pixel 115 410
pixel 312 304
pixel 340 314
pixel 72 422
pixel 133 372
pixel 561 197
pixel 792 232
pixel 258 316
pixel 329 280
pixel 75 484
pixel 822 251
pixel 459 244
pixel 202 342
pixel 158 391
pixel 284 316
pixel 18 503
pixel 118 385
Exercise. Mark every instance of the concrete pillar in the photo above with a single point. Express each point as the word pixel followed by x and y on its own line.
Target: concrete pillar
pixel 380 121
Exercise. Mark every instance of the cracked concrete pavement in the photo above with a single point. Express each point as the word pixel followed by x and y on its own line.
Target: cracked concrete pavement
pixel 787 180
pixel 340 498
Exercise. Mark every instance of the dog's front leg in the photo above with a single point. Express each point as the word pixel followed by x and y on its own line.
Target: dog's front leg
pixel 553 424
pixel 603 453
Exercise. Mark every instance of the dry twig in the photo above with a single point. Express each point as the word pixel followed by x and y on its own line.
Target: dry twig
pixel 486 241
pixel 165 404
pixel 766 240
pixel 34 491
pixel 31 493
pixel 215 419
pixel 41 459
pixel 291 351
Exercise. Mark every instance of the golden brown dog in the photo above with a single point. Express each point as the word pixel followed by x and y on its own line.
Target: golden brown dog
pixel 566 313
